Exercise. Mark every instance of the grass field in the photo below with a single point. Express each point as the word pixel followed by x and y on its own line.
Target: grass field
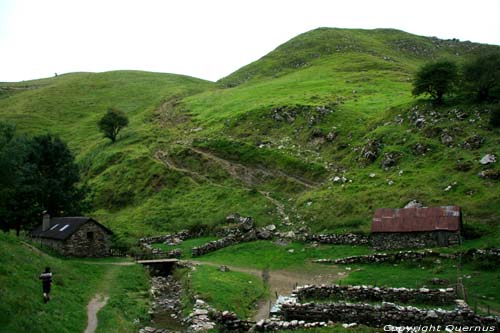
pixel 75 282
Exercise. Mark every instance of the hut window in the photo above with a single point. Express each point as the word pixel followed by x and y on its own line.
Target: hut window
pixel 90 235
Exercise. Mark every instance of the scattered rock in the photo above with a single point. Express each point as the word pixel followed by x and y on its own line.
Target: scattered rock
pixel 474 142
pixel 446 139
pixel 370 151
pixel 223 268
pixel 390 159
pixel 271 227
pixel 331 136
pixel 420 149
pixel 488 159
pixel 414 204
pixel 490 174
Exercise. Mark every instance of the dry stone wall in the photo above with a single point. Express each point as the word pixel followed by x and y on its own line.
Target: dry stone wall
pixel 385 314
pixel 170 238
pixel 347 239
pixel 369 293
pixel 245 231
pixel 472 254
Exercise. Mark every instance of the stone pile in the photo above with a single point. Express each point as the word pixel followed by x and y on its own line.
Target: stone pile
pixel 385 314
pixel 230 322
pixel 350 239
pixel 369 293
pixel 199 319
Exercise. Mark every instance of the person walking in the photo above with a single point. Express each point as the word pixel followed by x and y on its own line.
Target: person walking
pixel 46 278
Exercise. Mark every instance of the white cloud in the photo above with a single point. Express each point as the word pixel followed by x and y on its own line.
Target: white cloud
pixel 207 39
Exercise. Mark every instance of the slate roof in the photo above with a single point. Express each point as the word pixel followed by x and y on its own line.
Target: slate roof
pixel 61 228
pixel 447 218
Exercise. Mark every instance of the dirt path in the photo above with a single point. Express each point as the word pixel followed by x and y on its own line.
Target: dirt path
pixel 247 174
pixel 282 282
pixel 95 304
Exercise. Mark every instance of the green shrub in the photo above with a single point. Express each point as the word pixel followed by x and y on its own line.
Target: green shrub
pixel 495 116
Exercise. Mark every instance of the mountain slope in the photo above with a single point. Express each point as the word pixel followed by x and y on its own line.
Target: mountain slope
pixel 295 139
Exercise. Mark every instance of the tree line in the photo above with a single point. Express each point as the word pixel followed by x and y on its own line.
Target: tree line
pixel 476 80
pixel 36 174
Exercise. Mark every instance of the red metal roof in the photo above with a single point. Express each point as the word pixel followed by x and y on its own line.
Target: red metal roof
pixel 417 219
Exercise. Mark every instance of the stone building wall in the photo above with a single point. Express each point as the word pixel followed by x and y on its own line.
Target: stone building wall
pixel 401 240
pixel 80 245
pixel 57 245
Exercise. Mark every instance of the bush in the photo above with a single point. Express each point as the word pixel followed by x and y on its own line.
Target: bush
pixel 481 77
pixel 495 116
pixel 436 79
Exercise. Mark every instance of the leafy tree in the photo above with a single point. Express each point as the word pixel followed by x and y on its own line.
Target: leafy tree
pixel 435 79
pixel 112 122
pixel 481 76
pixel 37 174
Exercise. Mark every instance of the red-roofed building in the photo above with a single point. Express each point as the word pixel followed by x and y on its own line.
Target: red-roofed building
pixel 416 227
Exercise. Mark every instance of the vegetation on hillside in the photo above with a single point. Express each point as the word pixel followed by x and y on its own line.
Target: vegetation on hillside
pixel 38 174
pixel 317 133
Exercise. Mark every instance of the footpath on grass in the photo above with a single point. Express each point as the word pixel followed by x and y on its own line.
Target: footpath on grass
pixel 284 281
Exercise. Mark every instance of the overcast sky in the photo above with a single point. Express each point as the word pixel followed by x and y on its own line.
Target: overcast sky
pixel 203 38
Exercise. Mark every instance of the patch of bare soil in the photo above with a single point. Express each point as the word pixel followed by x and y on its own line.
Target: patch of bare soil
pixel 95 304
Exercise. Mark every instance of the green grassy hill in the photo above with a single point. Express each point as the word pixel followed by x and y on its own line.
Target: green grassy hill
pixel 281 139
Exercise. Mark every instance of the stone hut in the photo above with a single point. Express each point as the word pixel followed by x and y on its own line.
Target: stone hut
pixel 74 236
pixel 416 227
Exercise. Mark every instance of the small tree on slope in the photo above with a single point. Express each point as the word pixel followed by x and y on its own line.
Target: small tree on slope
pixel 112 123
pixel 435 79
